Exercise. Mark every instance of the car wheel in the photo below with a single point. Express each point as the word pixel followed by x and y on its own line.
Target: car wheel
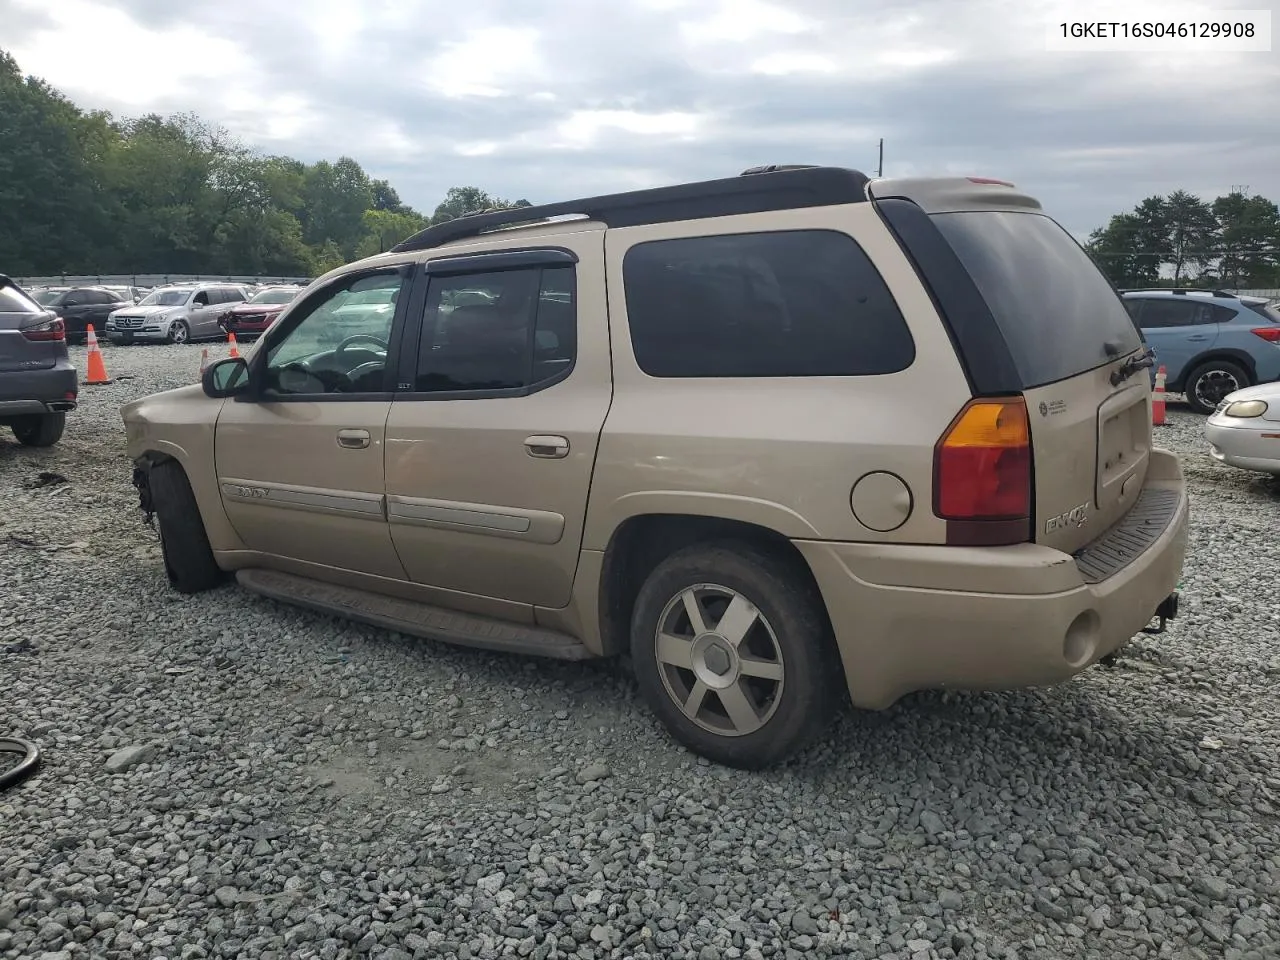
pixel 733 651
pixel 1210 382
pixel 179 332
pixel 41 430
pixel 188 558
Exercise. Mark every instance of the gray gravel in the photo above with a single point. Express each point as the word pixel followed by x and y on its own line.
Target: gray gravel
pixel 228 777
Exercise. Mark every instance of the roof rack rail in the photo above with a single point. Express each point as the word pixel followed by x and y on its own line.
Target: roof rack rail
pixel 1182 291
pixel 780 188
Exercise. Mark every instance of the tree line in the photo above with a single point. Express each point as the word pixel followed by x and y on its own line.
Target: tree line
pixel 84 192
pixel 1232 241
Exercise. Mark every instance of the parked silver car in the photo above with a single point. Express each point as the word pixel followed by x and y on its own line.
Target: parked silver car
pixel 175 314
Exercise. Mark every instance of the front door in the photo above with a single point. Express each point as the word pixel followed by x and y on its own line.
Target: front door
pixel 490 446
pixel 300 461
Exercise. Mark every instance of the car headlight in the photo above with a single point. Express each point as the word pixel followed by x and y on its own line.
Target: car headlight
pixel 1245 409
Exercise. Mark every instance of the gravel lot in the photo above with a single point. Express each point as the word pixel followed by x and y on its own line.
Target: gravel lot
pixel 304 787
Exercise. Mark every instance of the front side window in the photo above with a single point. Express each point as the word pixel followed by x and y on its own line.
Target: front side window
pixel 165 298
pixel 338 343
pixel 804 303
pixel 505 330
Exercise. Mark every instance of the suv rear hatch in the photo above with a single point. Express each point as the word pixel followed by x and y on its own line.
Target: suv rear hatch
pixel 1031 315
pixel 31 338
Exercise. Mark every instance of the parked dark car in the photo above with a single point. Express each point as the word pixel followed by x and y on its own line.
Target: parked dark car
pixel 38 384
pixel 248 320
pixel 80 306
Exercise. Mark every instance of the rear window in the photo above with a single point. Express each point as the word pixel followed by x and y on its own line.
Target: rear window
pixel 804 303
pixel 1053 306
pixel 1269 310
pixel 13 300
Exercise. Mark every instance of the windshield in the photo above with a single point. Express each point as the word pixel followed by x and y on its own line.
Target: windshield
pixel 46 297
pixel 165 298
pixel 1053 305
pixel 274 296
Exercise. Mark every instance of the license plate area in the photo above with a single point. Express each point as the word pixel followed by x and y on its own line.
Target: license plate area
pixel 1124 443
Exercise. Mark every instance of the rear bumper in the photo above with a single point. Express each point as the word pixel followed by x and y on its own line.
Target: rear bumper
pixel 912 617
pixel 29 392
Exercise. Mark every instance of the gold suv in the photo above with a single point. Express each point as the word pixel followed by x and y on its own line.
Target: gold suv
pixel 783 437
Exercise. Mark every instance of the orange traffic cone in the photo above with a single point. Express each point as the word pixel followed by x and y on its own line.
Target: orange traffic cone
pixel 231 339
pixel 97 372
pixel 1157 399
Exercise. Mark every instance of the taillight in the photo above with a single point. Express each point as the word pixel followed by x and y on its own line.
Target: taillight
pixel 46 330
pixel 982 473
pixel 1269 334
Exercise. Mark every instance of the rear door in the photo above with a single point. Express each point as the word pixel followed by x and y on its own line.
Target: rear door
pixel 492 438
pixel 1179 329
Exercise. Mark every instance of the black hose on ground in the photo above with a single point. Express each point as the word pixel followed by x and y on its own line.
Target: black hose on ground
pixel 30 760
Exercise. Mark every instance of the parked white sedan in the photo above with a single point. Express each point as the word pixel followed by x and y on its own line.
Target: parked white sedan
pixel 1244 431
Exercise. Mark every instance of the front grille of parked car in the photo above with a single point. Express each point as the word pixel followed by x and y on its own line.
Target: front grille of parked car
pixel 129 323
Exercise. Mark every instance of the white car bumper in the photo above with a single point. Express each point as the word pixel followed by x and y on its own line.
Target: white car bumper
pixel 1252 444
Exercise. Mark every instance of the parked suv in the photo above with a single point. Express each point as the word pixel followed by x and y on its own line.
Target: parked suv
pixel 1210 342
pixel 80 306
pixel 248 320
pixel 175 314
pixel 782 437
pixel 38 384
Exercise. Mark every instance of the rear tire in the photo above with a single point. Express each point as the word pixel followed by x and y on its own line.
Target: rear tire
pixel 188 558
pixel 1211 381
pixel 40 430
pixel 748 704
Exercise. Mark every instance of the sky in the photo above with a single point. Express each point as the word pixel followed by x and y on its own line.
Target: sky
pixel 550 99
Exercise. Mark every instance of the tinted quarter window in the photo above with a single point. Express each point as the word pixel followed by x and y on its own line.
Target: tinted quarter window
pixel 503 330
pixel 1055 309
pixel 787 304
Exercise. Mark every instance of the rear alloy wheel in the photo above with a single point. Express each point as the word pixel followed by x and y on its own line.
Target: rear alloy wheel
pixel 40 430
pixel 732 651
pixel 179 332
pixel 1210 382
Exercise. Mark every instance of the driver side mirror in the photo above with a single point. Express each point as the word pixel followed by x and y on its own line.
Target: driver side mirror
pixel 225 378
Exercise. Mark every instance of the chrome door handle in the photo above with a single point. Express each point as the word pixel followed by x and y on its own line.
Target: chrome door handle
pixel 547 448
pixel 353 439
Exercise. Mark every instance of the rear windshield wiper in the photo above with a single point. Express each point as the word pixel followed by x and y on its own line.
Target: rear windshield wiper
pixel 1142 361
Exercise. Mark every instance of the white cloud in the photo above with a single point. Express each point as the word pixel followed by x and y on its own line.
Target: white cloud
pixel 576 96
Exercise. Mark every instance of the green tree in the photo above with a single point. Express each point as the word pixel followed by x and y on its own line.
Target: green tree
pixel 464 201
pixel 1133 246
pixel 1192 234
pixel 384 229
pixel 1249 240
pixel 335 197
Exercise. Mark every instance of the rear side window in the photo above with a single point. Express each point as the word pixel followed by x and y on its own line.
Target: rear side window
pixel 1162 312
pixel 13 300
pixel 805 303
pixel 1055 309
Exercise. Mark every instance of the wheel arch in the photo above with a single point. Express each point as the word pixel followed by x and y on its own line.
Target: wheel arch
pixel 642 541
pixel 1230 354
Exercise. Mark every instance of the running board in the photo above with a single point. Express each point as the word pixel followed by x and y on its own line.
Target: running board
pixel 412 617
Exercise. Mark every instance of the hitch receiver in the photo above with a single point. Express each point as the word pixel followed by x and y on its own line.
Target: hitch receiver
pixel 1168 610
